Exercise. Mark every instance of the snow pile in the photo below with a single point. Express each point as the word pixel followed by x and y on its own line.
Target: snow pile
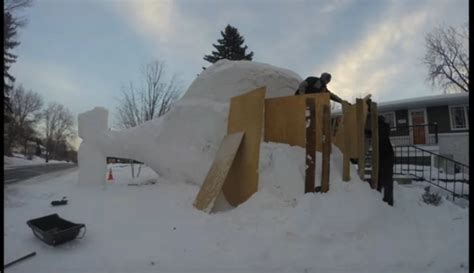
pixel 20 160
pixel 180 145
pixel 154 227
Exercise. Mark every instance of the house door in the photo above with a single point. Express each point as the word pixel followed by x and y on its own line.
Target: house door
pixel 418 118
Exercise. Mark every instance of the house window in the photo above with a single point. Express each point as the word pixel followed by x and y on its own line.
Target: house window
pixel 390 119
pixel 458 117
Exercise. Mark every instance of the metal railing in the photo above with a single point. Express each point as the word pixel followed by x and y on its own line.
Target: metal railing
pixel 414 134
pixel 438 170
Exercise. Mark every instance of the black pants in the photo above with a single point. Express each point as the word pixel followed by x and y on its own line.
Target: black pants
pixel 386 181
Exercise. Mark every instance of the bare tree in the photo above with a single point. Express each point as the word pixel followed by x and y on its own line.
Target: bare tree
pixel 153 99
pixel 447 58
pixel 58 127
pixel 26 106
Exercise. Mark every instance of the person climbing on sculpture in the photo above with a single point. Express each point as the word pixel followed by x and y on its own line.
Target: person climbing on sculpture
pixel 312 85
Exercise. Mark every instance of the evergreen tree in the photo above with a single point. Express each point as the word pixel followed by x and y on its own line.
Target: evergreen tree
pixel 229 47
pixel 11 22
pixel 9 43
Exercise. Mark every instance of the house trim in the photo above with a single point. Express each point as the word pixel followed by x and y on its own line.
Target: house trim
pixel 454 134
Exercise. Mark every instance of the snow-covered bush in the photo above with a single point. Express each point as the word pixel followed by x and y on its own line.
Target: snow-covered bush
pixel 431 198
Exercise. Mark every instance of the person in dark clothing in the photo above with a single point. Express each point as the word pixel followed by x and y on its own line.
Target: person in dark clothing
pixel 386 161
pixel 312 85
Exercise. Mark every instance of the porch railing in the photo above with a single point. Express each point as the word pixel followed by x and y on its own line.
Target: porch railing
pixel 426 134
pixel 438 170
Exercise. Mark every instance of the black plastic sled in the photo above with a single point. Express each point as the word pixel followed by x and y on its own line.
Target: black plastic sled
pixel 53 230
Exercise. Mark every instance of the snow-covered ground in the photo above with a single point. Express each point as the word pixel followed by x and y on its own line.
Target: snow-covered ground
pixel 18 160
pixel 153 227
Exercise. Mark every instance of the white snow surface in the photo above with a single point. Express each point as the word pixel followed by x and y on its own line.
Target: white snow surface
pixel 155 228
pixel 18 160
pixel 182 144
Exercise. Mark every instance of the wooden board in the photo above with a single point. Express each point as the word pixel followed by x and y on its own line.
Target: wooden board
pixel 347 132
pixel 326 142
pixel 310 145
pixel 245 114
pixel 321 101
pixel 375 145
pixel 361 110
pixel 217 174
pixel 285 119
pixel 346 143
pixel 360 137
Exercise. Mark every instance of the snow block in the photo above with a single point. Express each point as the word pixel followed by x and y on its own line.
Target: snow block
pixel 91 123
pixel 91 159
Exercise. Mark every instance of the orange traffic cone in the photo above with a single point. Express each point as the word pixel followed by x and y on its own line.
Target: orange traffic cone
pixel 110 175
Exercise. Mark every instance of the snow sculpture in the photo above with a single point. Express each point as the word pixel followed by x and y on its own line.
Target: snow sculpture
pixel 92 161
pixel 182 144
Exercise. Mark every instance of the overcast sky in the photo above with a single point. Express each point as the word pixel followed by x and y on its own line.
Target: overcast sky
pixel 79 53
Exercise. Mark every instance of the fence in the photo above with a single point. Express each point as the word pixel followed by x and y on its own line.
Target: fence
pixel 438 170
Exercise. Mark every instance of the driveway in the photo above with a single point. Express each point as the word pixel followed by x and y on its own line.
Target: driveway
pixel 26 172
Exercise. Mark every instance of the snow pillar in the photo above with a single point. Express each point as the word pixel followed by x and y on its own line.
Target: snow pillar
pixel 92 160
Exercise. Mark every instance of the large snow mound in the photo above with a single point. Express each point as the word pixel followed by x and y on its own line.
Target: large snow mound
pixel 193 130
pixel 181 145
pixel 226 79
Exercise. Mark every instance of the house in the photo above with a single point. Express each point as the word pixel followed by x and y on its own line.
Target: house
pixel 438 123
pixel 429 131
pixel 34 148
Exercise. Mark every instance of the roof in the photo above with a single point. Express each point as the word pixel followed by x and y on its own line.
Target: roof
pixel 421 102
pixel 33 143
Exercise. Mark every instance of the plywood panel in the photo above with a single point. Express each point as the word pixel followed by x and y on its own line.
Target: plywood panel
pixel 285 119
pixel 212 185
pixel 245 114
pixel 350 119
pixel 321 101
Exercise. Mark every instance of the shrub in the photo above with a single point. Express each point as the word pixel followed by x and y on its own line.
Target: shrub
pixel 431 198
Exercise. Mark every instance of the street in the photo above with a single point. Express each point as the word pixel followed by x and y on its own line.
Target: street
pixel 26 172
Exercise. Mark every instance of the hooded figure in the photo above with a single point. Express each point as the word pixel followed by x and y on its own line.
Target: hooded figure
pixel 386 161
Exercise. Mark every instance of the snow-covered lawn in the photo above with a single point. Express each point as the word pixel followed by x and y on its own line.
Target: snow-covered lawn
pixel 18 160
pixel 153 227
